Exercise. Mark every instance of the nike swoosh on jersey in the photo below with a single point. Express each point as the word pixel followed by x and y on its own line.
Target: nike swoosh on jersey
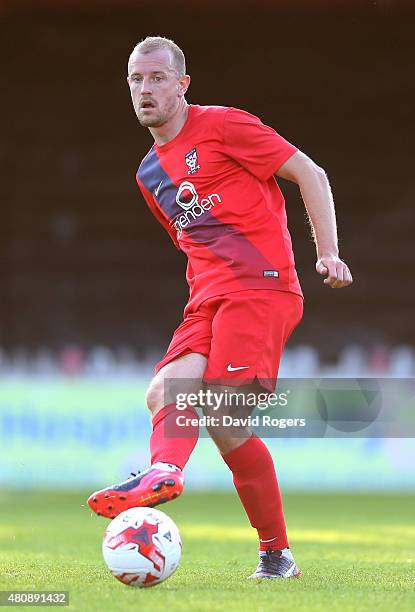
pixel 157 189
pixel 232 369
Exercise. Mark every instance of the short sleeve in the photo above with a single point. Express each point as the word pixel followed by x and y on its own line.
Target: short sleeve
pixel 254 145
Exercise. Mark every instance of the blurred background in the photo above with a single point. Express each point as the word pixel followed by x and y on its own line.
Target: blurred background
pixel 91 287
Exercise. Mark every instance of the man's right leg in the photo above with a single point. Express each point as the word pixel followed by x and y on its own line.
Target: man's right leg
pixel 170 448
pixel 169 442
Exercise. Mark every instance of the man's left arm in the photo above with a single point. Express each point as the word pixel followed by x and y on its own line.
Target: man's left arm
pixel 318 200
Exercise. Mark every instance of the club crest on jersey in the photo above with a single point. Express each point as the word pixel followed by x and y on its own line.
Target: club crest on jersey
pixel 192 161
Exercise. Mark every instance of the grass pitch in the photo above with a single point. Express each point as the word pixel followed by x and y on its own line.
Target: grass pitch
pixel 356 552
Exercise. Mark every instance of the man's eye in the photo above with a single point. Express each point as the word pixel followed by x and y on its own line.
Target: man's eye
pixel 137 79
pixel 158 79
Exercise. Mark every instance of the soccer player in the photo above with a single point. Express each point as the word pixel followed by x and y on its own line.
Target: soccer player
pixel 209 179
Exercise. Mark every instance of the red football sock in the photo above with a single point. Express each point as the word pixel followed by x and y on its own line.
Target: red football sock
pixel 256 483
pixel 170 442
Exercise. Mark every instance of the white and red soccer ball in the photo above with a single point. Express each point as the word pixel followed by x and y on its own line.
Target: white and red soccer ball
pixel 142 547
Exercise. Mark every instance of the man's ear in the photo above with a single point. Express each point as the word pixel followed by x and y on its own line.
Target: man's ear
pixel 184 83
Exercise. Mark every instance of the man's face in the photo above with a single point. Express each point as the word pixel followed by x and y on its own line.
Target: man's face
pixel 155 87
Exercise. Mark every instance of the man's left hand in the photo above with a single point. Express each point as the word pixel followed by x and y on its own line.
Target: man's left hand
pixel 337 272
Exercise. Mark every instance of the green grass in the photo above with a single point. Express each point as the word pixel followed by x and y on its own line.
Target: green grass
pixel 356 552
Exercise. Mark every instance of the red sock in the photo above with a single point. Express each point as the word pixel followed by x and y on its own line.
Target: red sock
pixel 170 442
pixel 256 482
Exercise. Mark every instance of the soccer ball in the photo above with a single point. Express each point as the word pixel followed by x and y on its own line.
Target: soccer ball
pixel 142 547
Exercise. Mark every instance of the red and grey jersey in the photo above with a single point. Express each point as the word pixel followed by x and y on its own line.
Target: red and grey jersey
pixel 213 189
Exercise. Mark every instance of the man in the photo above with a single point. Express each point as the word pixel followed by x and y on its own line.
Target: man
pixel 209 180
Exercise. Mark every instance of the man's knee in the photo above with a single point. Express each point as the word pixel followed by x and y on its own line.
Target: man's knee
pixel 155 395
pixel 163 391
pixel 181 376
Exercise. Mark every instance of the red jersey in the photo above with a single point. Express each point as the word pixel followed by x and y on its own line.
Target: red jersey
pixel 213 189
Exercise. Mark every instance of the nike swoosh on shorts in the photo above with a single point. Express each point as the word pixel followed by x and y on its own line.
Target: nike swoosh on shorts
pixel 232 369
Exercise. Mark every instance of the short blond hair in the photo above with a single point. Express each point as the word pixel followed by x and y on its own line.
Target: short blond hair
pixel 154 43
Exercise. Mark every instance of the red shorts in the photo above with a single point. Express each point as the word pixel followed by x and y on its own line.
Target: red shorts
pixel 242 334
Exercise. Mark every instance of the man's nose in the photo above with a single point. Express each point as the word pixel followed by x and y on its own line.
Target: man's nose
pixel 146 86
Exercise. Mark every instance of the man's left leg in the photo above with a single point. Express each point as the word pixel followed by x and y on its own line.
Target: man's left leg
pixel 256 483
pixel 249 332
